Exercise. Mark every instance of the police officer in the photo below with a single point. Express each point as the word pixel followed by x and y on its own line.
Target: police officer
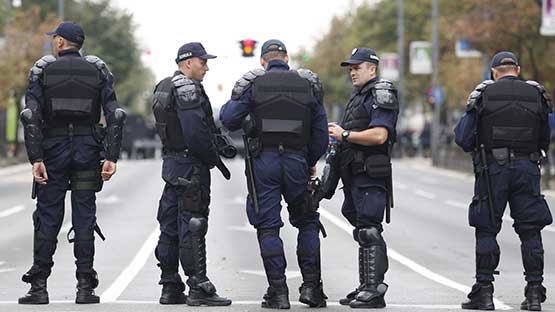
pixel 506 128
pixel 186 127
pixel 366 135
pixel 63 104
pixel 287 135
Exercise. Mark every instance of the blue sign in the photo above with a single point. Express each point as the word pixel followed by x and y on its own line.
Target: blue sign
pixel 438 95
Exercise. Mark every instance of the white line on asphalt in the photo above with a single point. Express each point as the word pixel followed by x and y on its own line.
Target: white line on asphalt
pixel 297 303
pixel 2 262
pixel 127 275
pixel 456 204
pixel 11 211
pixel 245 228
pixel 289 274
pixel 408 262
pixel 15 169
pixel 6 270
pixel 424 194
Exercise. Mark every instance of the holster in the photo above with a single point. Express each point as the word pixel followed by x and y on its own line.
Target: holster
pixel 254 146
pixel 190 197
pixel 501 155
pixel 99 133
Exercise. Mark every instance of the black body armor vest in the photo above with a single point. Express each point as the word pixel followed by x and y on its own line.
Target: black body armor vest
pixel 167 122
pixel 357 118
pixel 510 116
pixel 281 107
pixel 72 92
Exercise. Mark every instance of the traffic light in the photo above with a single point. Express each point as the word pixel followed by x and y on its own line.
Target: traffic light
pixel 247 46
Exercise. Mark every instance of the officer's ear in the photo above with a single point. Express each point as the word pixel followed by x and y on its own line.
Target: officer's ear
pixel 263 63
pixel 518 70
pixel 286 58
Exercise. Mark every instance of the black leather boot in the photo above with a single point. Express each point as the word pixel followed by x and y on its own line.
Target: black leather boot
pixel 312 293
pixel 86 283
pixel 349 297
pixel 172 293
pixel 480 297
pixel 37 294
pixel 201 290
pixel 277 295
pixel 372 266
pixel 535 294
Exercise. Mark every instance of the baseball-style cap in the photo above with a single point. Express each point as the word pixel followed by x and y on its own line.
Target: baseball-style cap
pixel 272 45
pixel 192 49
pixel 359 55
pixel 504 58
pixel 70 31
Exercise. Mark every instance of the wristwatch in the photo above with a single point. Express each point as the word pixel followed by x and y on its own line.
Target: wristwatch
pixel 345 134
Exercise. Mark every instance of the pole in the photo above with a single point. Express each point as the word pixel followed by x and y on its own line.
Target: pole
pixel 401 52
pixel 436 126
pixel 61 9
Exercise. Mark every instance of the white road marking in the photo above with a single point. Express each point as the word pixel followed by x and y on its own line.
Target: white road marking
pixel 245 228
pixel 2 262
pixel 456 204
pixel 112 199
pixel 424 194
pixel 408 262
pixel 7 270
pixel 289 274
pixel 239 200
pixel 127 275
pixel 11 211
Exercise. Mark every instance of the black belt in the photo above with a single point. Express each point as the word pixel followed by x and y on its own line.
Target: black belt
pixel 179 153
pixel 68 131
pixel 283 150
pixel 517 156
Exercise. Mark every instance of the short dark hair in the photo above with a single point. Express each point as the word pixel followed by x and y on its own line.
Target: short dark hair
pixel 72 44
pixel 274 55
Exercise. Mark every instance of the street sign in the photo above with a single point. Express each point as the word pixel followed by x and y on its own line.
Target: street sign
pixel 548 18
pixel 463 49
pixel 420 57
pixel 438 95
pixel 389 66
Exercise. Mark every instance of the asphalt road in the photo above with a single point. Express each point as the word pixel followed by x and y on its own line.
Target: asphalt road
pixel 430 244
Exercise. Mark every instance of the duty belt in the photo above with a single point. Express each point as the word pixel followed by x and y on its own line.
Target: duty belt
pixel 179 153
pixel 512 156
pixel 282 150
pixel 70 130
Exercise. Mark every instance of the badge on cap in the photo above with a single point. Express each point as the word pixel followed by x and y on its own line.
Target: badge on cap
pixel 354 51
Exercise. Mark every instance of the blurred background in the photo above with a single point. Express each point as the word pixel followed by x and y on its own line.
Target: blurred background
pixel 436 52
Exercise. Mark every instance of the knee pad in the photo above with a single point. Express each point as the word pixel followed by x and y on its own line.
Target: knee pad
pixel 198 226
pixel 487 254
pixel 370 236
pixel 265 233
pixel 86 180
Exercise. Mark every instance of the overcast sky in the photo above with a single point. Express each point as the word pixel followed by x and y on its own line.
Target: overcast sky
pixel 164 25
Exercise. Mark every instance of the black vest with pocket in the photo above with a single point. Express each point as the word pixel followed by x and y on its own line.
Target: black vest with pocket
pixel 510 116
pixel 281 107
pixel 72 89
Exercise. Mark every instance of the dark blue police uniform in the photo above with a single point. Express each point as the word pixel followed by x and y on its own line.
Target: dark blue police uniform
pixel 63 105
pixel 282 164
pixel 366 175
pixel 185 124
pixel 506 124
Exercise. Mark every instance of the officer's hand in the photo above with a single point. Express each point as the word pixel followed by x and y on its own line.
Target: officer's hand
pixel 108 170
pixel 39 172
pixel 313 171
pixel 335 131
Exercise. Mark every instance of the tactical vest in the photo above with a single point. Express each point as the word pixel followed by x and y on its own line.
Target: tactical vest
pixel 72 89
pixel 281 108
pixel 510 116
pixel 357 118
pixel 165 114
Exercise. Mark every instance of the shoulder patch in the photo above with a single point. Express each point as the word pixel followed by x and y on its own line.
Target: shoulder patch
pixel 315 83
pixel 39 66
pixel 385 95
pixel 245 81
pixel 187 92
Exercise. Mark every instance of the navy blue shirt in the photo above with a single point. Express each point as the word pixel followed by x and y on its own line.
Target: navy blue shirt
pixel 466 129
pixel 234 111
